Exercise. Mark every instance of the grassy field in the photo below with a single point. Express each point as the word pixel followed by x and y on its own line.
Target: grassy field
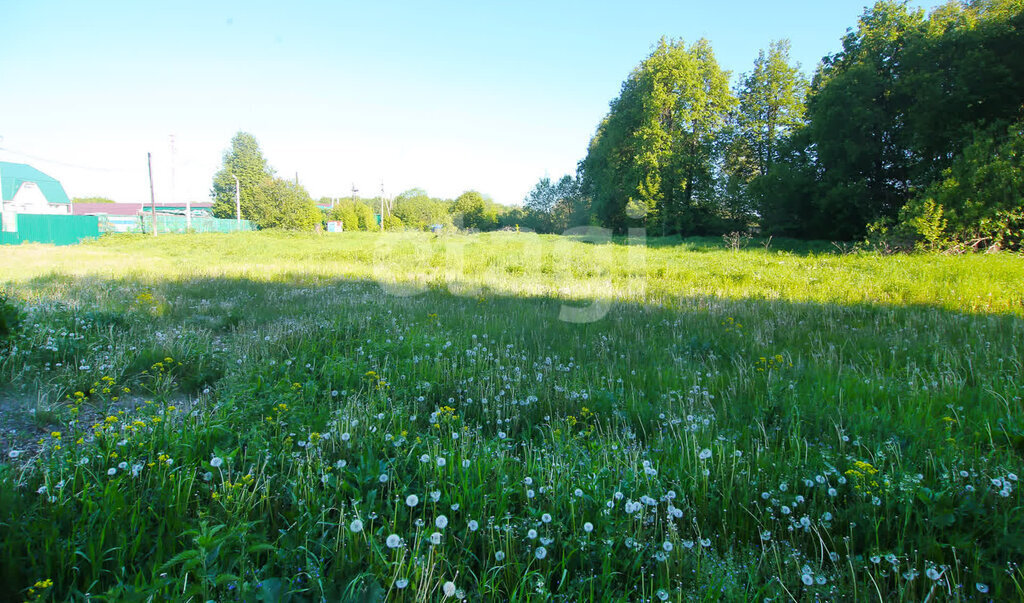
pixel 264 417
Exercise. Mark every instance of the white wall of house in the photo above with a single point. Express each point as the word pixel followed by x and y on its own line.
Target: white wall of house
pixel 30 200
pixel 9 220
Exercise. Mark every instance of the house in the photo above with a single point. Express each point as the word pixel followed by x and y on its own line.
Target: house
pixel 26 190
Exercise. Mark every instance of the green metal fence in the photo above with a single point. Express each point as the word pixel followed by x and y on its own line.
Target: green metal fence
pixel 49 228
pixel 178 224
pixel 68 230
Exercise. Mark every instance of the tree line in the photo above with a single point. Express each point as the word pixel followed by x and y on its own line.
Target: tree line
pixel 273 202
pixel 912 133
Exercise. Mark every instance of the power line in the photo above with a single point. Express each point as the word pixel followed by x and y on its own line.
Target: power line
pixel 65 164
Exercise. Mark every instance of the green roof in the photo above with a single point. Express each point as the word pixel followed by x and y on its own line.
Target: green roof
pixel 13 175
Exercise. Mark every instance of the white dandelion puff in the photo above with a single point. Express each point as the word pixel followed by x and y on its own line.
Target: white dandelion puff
pixel 449 589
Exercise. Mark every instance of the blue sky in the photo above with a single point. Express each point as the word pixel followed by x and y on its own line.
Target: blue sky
pixel 446 96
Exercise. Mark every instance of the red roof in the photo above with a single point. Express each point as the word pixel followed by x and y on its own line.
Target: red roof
pixel 127 209
pixel 110 209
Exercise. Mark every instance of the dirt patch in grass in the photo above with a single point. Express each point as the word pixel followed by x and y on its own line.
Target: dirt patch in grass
pixel 24 421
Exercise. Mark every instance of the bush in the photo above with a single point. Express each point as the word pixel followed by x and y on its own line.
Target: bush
pixel 392 222
pixel 979 200
pixel 10 317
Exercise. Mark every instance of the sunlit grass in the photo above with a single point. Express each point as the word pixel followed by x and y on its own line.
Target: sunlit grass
pixel 731 425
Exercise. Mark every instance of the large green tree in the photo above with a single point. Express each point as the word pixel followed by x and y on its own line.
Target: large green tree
pixel 770 109
pixel 654 159
pixel 471 210
pixel 245 160
pixel 771 104
pixel 550 206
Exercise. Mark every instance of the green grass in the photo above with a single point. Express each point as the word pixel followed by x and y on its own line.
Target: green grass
pixel 727 424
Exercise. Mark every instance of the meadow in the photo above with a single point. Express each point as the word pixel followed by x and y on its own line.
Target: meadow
pixel 411 417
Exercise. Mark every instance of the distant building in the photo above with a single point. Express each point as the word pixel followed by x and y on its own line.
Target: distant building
pixel 26 190
pixel 199 210
pixel 128 217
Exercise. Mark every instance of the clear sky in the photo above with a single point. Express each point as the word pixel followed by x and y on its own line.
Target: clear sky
pixel 445 96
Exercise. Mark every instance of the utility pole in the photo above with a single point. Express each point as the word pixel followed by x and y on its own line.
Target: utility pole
pixel 152 195
pixel 238 203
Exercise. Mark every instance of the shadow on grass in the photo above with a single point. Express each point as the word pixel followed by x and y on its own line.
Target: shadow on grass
pixel 797 247
pixel 859 358
pixel 785 380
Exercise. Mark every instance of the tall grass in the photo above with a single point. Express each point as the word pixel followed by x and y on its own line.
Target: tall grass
pixel 406 416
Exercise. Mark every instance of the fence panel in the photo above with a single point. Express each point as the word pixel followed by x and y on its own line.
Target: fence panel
pixel 53 228
pixel 178 224
pixel 68 230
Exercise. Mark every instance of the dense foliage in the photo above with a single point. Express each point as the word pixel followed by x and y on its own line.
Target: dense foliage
pixel 915 109
pixel 895 108
pixel 268 201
